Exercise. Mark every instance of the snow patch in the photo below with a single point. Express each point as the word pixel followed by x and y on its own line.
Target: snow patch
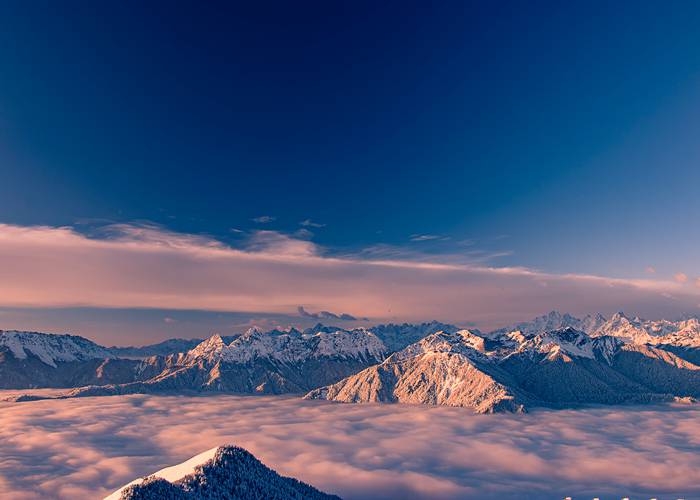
pixel 172 473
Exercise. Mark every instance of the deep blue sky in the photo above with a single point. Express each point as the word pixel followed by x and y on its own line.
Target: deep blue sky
pixel 565 134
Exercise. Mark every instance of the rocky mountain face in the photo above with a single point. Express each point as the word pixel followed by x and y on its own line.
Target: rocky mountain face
pixel 225 473
pixel 515 370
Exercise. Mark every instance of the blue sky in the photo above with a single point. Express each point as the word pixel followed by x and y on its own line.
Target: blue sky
pixel 555 137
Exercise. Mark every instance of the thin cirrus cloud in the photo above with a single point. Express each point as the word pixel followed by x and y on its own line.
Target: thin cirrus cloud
pixel 428 237
pixel 146 266
pixel 264 219
pixel 409 451
pixel 310 223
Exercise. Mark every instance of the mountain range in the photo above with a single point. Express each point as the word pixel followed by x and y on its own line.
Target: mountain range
pixel 516 371
pixel 273 362
pixel 225 473
pixel 555 360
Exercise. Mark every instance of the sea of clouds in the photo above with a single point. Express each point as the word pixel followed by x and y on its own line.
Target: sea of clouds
pixel 86 448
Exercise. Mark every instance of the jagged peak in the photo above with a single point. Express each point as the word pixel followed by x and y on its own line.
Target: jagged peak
pixel 51 348
pixel 619 315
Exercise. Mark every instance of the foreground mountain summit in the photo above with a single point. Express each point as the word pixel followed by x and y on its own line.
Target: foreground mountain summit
pixel 225 473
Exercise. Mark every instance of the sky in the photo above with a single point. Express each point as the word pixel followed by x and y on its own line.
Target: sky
pixel 175 169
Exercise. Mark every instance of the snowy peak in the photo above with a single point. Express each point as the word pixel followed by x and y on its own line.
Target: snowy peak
pixel 510 371
pixel 554 320
pixel 290 346
pixel 568 342
pixel 628 330
pixel 226 472
pixel 683 333
pixel 462 342
pixel 396 337
pixel 591 323
pixel 51 348
pixel 345 343
pixel 208 349
pixel 475 346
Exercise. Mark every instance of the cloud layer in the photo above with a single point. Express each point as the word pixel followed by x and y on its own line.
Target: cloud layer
pixel 85 448
pixel 144 266
pixel 326 315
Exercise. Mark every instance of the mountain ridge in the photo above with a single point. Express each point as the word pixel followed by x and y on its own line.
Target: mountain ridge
pixel 514 371
pixel 509 369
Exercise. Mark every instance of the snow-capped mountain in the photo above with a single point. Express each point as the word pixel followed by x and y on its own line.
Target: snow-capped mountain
pixel 444 368
pixel 513 371
pixel 684 333
pixel 32 359
pixel 681 337
pixel 277 361
pixel 290 346
pixel 536 363
pixel 630 330
pixel 258 362
pixel 396 337
pixel 226 473
pixel 50 348
pixel 554 320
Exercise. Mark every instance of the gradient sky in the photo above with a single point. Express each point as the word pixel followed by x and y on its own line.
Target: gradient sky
pixel 557 139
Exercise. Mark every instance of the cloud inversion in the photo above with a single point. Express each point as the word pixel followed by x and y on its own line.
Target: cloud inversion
pixel 86 448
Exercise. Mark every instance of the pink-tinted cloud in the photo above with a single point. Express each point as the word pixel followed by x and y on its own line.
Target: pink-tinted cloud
pixel 86 448
pixel 681 277
pixel 146 266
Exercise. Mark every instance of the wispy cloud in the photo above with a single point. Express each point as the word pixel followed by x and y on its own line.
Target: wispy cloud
pixel 310 223
pixel 327 315
pixel 277 245
pixel 650 270
pixel 428 237
pixel 145 266
pixel 303 233
pixel 394 451
pixel 264 219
